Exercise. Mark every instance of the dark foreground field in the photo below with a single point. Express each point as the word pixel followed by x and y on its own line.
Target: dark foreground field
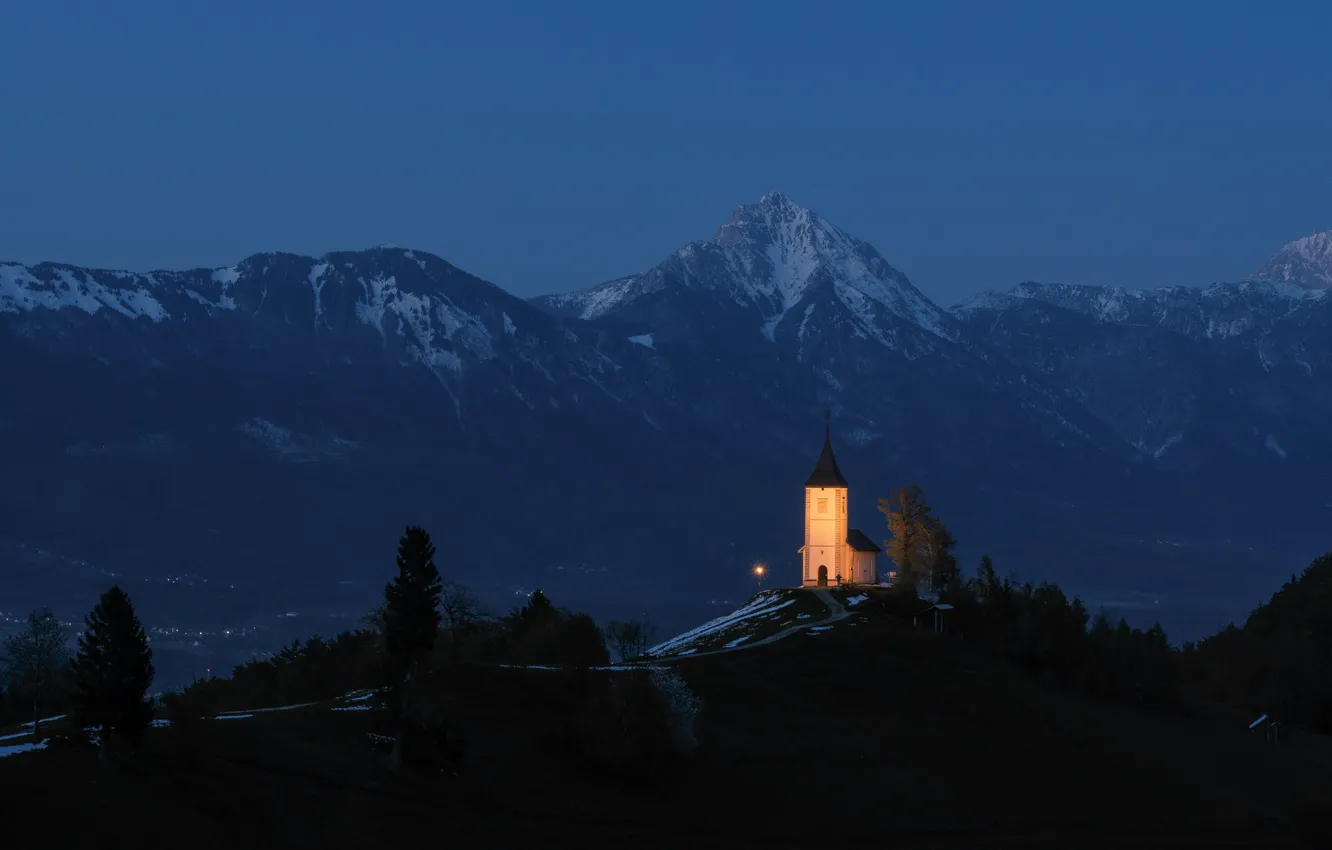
pixel 869 734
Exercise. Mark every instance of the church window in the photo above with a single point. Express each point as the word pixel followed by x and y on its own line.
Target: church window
pixel 823 506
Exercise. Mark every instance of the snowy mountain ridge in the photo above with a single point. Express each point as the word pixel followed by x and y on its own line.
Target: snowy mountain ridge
pixel 405 294
pixel 785 265
pixel 1221 310
pixel 1306 263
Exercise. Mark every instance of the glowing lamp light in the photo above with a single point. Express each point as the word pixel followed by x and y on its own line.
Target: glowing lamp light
pixel 759 569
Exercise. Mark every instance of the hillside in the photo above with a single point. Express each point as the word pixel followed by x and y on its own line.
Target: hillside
pixel 770 615
pixel 249 406
pixel 865 732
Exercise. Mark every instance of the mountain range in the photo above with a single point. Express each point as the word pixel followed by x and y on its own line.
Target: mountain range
pixel 282 419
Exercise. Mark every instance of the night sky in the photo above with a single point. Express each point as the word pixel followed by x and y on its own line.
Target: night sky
pixel 550 146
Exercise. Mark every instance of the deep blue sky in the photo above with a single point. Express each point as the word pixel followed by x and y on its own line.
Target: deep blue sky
pixel 546 145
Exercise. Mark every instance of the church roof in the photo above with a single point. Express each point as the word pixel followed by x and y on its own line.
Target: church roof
pixel 826 473
pixel 857 540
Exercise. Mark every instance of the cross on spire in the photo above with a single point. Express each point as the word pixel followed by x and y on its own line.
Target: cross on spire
pixel 826 473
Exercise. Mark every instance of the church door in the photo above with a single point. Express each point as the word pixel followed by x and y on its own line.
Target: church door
pixel 823 576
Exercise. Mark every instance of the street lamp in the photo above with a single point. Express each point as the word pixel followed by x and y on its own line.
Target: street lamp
pixel 758 575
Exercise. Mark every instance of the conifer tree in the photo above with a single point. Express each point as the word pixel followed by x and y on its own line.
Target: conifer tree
pixel 411 619
pixel 113 671
pixel 411 611
pixel 537 611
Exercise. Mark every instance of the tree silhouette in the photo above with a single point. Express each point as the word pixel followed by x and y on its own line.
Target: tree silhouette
pixel 630 639
pixel 460 610
pixel 411 620
pixel 538 610
pixel 938 560
pixel 909 523
pixel 32 658
pixel 113 671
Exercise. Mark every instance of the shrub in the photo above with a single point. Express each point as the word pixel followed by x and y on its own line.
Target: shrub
pixel 637 725
pixel 622 729
pixel 681 706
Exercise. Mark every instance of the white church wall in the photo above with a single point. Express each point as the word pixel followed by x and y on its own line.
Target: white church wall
pixel 863 570
pixel 825 533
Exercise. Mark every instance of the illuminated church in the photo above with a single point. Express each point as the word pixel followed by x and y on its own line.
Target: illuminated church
pixel 832 554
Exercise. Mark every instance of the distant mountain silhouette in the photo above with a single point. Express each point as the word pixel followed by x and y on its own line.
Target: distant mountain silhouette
pixel 650 434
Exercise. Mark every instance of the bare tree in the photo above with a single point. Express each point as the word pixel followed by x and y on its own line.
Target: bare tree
pixel 460 610
pixel 33 657
pixel 919 541
pixel 629 639
pixel 940 564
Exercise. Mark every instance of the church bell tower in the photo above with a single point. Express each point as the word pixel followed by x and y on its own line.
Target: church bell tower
pixel 825 555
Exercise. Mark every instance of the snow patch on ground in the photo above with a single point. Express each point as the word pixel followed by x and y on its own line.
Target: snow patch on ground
pixel 28 725
pixel 856 600
pixel 761 605
pixel 15 749
pixel 351 708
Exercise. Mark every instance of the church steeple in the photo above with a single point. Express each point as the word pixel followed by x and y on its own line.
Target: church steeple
pixel 826 473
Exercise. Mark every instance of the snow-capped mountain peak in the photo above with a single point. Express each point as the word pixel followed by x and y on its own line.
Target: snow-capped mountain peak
pixel 1305 262
pixel 789 265
pixel 772 215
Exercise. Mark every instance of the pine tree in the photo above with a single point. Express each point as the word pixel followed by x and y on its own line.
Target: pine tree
pixel 538 610
pixel 411 611
pixel 113 671
pixel 411 620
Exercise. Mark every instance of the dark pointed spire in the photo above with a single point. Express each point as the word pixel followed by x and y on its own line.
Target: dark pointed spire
pixel 826 473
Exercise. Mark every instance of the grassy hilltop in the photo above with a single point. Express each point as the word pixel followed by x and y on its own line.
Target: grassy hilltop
pixel 864 732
